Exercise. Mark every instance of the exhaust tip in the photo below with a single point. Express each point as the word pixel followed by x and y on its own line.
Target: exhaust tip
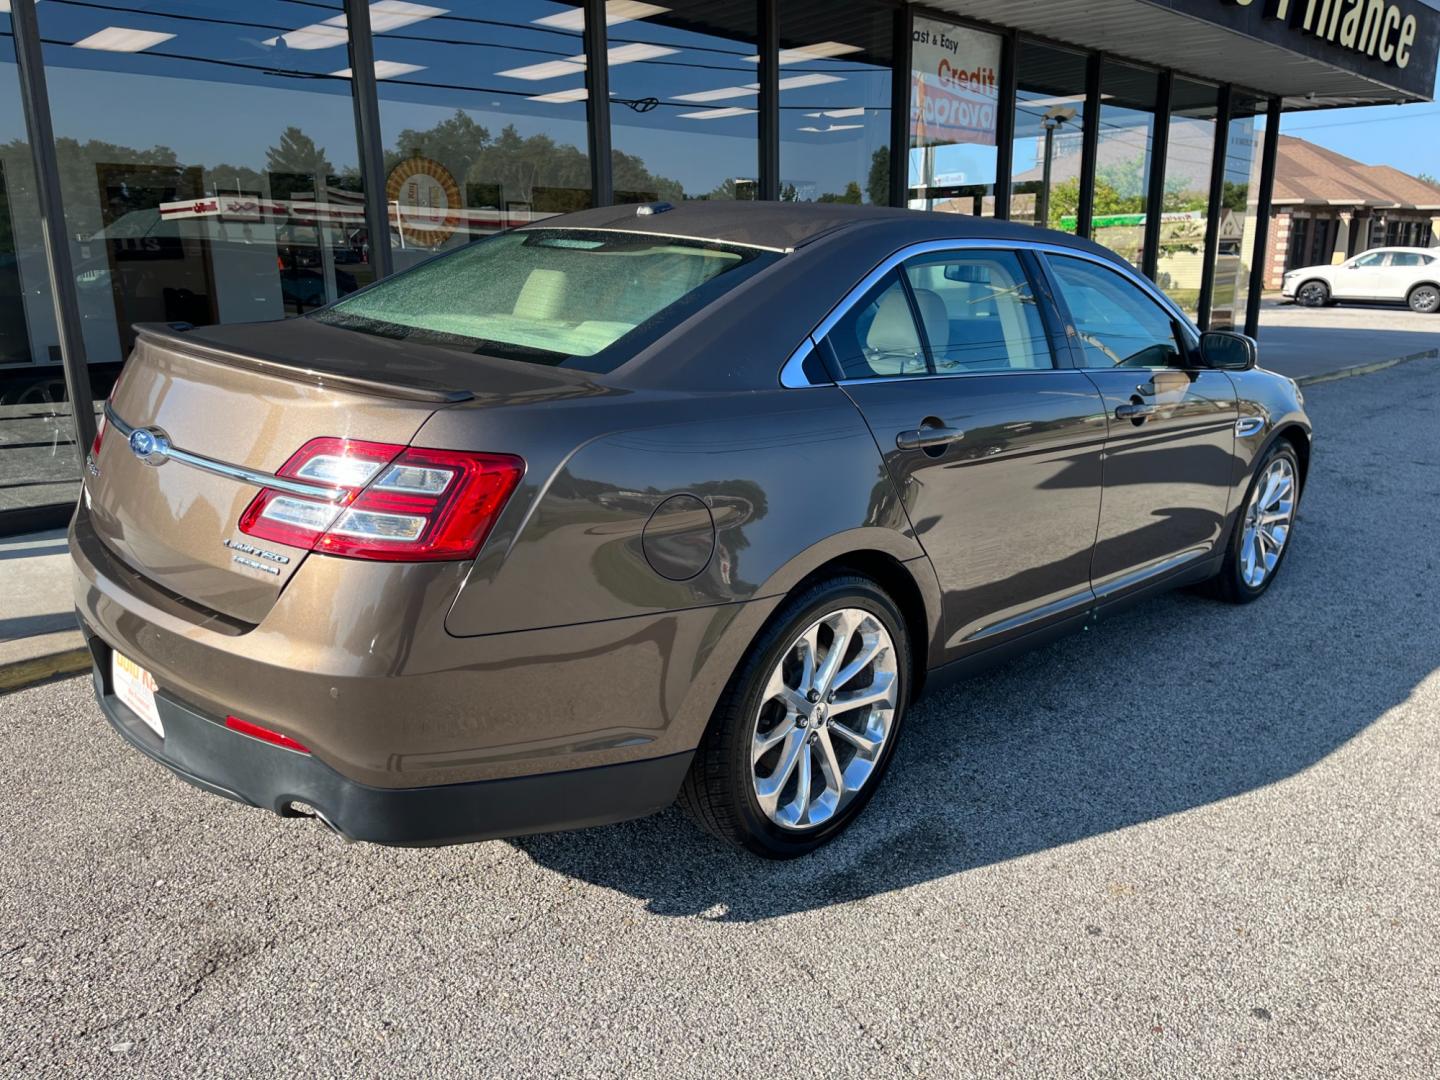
pixel 296 808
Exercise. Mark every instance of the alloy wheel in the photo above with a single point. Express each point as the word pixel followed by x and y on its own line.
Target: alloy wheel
pixel 1267 522
pixel 827 713
pixel 1425 299
pixel 1312 294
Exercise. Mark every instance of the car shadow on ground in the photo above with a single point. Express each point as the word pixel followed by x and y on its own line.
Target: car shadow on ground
pixel 1176 704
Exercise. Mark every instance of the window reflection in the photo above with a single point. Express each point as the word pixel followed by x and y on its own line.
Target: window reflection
pixel 954 112
pixel 684 99
pixel 1235 249
pixel 482 111
pixel 1124 156
pixel 1189 151
pixel 38 463
pixel 1049 129
pixel 207 160
pixel 835 76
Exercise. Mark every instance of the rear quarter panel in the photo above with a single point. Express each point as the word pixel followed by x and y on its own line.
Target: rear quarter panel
pixel 790 479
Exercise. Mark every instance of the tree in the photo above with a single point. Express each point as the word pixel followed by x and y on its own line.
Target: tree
pixel 851 195
pixel 295 163
pixel 878 183
pixel 1428 178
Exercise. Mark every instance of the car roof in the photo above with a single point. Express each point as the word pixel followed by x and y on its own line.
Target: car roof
pixel 787 226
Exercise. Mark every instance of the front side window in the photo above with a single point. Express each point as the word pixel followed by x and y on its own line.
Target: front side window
pixel 551 295
pixel 1119 325
pixel 1374 260
pixel 978 312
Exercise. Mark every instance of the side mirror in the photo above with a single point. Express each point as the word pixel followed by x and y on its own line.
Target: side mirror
pixel 1228 351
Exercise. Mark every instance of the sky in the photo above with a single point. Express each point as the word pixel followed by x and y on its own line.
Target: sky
pixel 1405 136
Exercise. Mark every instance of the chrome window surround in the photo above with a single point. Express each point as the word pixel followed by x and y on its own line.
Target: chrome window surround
pixel 233 472
pixel 792 373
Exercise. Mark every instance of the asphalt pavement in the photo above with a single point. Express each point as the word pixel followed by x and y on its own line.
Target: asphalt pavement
pixel 1308 342
pixel 1194 841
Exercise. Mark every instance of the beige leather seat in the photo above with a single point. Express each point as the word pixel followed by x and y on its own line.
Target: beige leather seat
pixel 892 346
pixel 542 297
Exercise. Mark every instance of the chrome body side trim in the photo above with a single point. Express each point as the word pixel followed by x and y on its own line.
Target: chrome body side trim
pixel 1145 573
pixel 1249 425
pixel 232 472
pixel 929 247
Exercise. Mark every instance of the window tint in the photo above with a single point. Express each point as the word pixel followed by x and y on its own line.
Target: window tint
pixel 877 336
pixel 1119 325
pixel 1375 258
pixel 978 312
pixel 1407 258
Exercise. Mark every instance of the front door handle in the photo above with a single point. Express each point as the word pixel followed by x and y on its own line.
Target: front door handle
pixel 1135 410
pixel 925 437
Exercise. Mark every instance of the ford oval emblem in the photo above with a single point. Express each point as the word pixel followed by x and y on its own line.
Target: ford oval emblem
pixel 150 445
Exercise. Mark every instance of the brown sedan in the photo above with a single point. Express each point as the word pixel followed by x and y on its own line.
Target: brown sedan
pixel 645 502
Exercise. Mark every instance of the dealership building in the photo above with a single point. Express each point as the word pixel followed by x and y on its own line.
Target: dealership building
pixel 204 161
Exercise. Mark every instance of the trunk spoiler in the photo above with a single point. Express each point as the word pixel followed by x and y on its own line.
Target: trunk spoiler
pixel 167 336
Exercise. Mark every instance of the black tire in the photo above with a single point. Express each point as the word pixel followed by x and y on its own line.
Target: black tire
pixel 1230 584
pixel 719 790
pixel 1313 293
pixel 1424 299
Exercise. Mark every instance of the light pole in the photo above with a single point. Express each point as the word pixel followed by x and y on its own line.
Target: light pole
pixel 1053 118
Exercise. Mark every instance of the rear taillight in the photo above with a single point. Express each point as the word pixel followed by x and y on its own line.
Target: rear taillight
pixel 264 734
pixel 99 437
pixel 397 504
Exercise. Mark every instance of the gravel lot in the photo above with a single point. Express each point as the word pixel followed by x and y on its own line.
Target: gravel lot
pixel 1194 841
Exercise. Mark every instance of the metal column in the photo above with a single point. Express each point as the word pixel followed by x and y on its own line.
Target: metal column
pixel 35 100
pixel 1005 125
pixel 1212 211
pixel 900 106
pixel 1155 194
pixel 365 97
pixel 1090 143
pixel 1262 217
pixel 597 86
pixel 769 119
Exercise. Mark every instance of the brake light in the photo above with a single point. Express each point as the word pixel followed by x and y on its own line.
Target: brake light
pixel 99 437
pixel 264 734
pixel 396 504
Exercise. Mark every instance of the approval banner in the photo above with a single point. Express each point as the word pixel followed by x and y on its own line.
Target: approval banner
pixel 954 85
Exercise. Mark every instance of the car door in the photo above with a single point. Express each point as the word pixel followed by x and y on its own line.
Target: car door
pixel 1362 278
pixel 995 450
pixel 1170 454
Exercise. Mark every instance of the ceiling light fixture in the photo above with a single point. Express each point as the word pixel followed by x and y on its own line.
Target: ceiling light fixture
pixel 821 50
pixel 120 39
pixel 616 11
pixel 384 69
pixel 716 114
pixel 384 15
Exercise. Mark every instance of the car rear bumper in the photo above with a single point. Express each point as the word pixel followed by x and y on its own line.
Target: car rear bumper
pixel 202 751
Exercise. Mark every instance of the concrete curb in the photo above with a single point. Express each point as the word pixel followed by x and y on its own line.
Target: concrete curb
pixel 19 674
pixel 1366 369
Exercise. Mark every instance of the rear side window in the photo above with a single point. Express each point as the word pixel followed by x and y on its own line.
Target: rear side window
pixel 1119 325
pixel 1408 258
pixel 551 296
pixel 877 338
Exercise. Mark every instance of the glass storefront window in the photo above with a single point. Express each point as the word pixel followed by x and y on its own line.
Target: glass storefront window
pixel 835 86
pixel 1124 156
pixel 482 110
pixel 1189 152
pixel 1049 136
pixel 954 113
pixel 684 103
pixel 39 467
pixel 1235 248
pixel 207 159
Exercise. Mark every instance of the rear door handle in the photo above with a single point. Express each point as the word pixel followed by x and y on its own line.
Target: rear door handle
pixel 1134 411
pixel 920 438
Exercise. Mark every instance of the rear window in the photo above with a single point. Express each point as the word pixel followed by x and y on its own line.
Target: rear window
pixel 585 298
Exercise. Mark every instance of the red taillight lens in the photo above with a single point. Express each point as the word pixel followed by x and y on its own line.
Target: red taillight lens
pixel 397 504
pixel 255 731
pixel 99 437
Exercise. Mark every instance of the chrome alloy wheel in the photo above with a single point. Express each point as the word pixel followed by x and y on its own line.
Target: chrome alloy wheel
pixel 827 712
pixel 1267 522
pixel 1425 299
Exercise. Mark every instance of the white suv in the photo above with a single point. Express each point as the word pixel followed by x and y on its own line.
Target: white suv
pixel 1398 273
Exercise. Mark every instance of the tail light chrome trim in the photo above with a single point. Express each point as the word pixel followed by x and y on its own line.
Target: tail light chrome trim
pixel 256 477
